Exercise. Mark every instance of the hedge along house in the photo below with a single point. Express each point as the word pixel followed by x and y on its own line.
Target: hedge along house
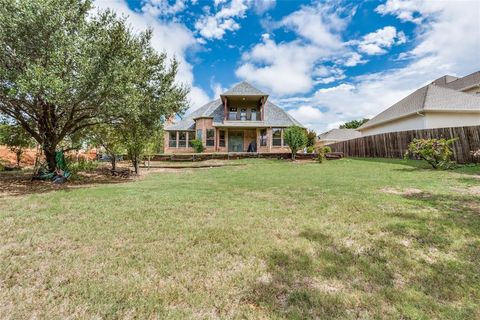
pixel 241 120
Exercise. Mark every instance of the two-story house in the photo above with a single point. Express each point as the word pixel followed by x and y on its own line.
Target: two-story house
pixel 241 120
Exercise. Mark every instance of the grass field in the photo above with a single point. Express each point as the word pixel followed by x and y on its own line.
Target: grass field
pixel 271 239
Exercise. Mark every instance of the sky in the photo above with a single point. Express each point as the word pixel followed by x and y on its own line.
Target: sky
pixel 324 62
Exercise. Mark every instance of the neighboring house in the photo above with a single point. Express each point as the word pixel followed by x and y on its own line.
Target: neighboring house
pixel 337 135
pixel 446 102
pixel 241 120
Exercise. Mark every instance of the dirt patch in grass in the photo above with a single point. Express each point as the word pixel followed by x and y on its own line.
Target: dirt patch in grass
pixel 475 190
pixel 407 192
pixel 18 183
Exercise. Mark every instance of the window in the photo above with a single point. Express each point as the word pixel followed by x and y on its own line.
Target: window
pixel 263 138
pixel 172 139
pixel 191 136
pixel 222 138
pixel 232 115
pixel 210 137
pixel 199 134
pixel 254 114
pixel 277 137
pixel 243 114
pixel 182 139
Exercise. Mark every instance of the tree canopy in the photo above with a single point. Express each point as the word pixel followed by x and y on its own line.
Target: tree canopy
pixel 64 68
pixel 296 138
pixel 354 124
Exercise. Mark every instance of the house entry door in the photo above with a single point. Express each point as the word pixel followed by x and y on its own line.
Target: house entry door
pixel 235 141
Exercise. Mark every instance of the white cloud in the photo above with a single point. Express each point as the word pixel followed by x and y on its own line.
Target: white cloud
pixel 173 38
pixel 319 24
pixel 215 26
pixel 377 42
pixel 262 6
pixel 163 7
pixel 307 115
pixel 288 68
pixel 441 48
pixel 354 59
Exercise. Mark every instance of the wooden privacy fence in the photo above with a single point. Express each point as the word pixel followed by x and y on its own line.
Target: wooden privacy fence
pixel 394 144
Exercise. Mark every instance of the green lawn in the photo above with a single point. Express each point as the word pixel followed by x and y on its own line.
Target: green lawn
pixel 272 239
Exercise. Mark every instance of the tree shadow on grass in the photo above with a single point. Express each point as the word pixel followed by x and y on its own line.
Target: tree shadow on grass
pixel 318 285
pixel 339 281
pixel 19 183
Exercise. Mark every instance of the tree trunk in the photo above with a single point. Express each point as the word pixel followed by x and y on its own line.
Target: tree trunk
pixel 50 156
pixel 148 162
pixel 293 155
pixel 135 163
pixel 113 161
pixel 18 154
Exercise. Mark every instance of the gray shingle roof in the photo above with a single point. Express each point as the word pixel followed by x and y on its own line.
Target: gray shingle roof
pixel 340 134
pixel 274 117
pixel 465 82
pixel 243 89
pixel 431 97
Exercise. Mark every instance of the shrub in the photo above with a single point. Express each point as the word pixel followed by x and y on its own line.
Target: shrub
pixel 82 165
pixel 296 138
pixel 310 149
pixel 327 149
pixel 197 146
pixel 437 152
pixel 321 154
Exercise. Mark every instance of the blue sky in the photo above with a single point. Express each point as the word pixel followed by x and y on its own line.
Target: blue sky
pixel 325 62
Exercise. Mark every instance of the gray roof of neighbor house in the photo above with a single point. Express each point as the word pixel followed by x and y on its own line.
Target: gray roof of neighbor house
pixel 466 82
pixel 274 115
pixel 340 134
pixel 243 89
pixel 431 97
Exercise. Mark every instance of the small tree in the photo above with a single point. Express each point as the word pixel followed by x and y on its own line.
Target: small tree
pixel 109 139
pixel 437 152
pixel 16 139
pixel 311 138
pixel 354 124
pixel 296 138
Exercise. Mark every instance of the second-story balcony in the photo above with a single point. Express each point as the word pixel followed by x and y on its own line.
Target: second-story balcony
pixel 244 114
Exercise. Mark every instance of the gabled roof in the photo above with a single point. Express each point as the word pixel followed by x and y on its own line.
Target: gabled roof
pixel 274 116
pixel 340 134
pixel 466 82
pixel 243 89
pixel 431 97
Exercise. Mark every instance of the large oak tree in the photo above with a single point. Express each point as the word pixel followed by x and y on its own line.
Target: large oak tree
pixel 64 68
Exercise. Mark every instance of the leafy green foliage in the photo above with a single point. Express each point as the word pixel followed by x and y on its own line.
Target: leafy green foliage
pixel 354 124
pixel 81 165
pixel 16 139
pixel 327 149
pixel 65 68
pixel 197 146
pixel 311 138
pixel 310 149
pixel 296 138
pixel 437 152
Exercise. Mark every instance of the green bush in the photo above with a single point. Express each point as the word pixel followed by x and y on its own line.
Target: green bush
pixel 82 165
pixel 321 154
pixel 310 149
pixel 197 146
pixel 437 152
pixel 327 149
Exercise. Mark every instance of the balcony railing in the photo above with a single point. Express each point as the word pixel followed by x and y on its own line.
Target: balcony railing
pixel 252 116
